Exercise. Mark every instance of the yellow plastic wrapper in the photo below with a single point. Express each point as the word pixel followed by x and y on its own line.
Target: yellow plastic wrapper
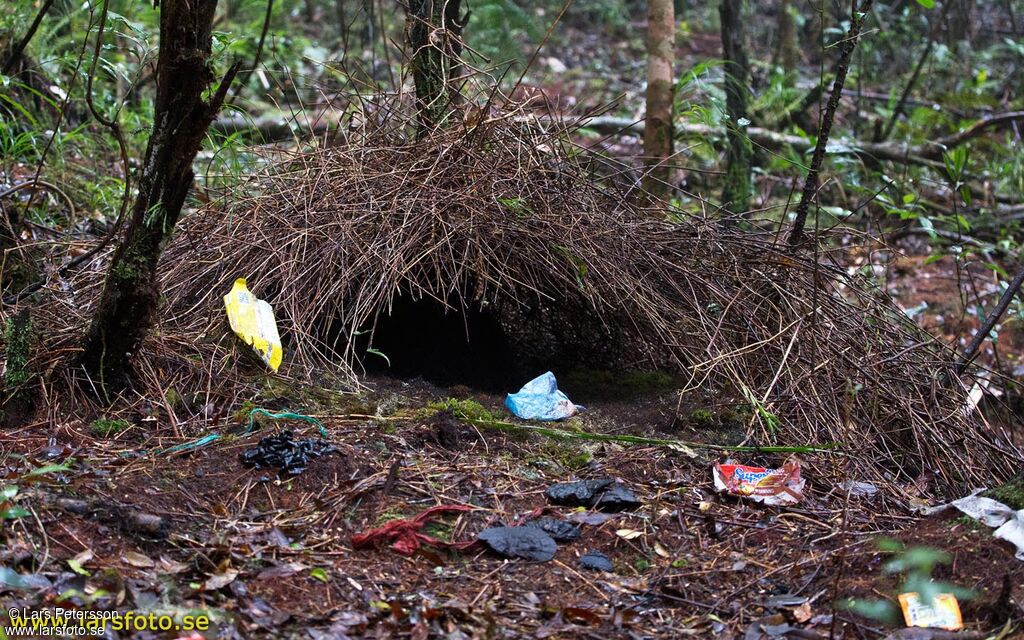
pixel 253 321
pixel 942 613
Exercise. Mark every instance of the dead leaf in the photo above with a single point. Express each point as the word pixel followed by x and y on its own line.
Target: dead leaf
pixel 282 570
pixel 660 550
pixel 172 566
pixel 137 560
pixel 803 612
pixel 592 518
pixel 629 534
pixel 220 580
pixel 578 615
pixel 683 449
pixel 79 560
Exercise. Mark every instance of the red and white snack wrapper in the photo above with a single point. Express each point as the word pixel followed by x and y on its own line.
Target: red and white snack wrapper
pixel 769 486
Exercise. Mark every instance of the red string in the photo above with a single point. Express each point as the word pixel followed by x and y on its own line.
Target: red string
pixel 406 532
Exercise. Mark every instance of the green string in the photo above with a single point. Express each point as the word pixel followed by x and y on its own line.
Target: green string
pixel 284 415
pixel 207 439
pixel 188 446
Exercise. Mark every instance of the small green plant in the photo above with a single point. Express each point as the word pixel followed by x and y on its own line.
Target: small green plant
pixel 389 514
pixel 108 427
pixel 916 564
pixel 12 494
pixel 8 509
pixel 770 420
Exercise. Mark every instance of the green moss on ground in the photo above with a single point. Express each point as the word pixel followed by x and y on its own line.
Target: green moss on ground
pixel 468 410
pixel 1011 494
pixel 589 384
pixel 107 427
pixel 702 418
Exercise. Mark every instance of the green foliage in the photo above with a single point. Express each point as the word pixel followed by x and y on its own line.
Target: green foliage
pixel 13 495
pixel 916 565
pixel 8 509
pixel 242 413
pixel 496 29
pixel 107 427
pixel 702 418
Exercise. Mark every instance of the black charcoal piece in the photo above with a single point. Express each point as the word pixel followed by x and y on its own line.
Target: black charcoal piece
pixel 582 493
pixel 560 530
pixel 595 561
pixel 528 543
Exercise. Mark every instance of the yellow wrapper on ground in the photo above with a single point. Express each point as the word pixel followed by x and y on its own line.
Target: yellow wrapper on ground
pixel 942 613
pixel 253 321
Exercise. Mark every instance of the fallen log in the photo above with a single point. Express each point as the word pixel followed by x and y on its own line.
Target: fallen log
pixel 928 154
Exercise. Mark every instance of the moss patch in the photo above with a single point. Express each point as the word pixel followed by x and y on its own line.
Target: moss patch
pixel 468 410
pixel 18 336
pixel 107 428
pixel 311 399
pixel 702 418
pixel 1011 494
pixel 598 384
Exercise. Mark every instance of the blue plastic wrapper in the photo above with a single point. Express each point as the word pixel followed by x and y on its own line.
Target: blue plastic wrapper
pixel 540 399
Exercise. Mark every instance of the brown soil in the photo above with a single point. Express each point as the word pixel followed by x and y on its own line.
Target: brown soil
pixel 689 562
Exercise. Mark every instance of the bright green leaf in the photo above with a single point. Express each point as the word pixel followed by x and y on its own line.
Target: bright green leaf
pixel 319 573
pixel 14 512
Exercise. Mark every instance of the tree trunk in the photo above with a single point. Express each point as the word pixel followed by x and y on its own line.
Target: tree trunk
pixel 959 22
pixel 736 193
pixel 786 54
pixel 658 133
pixel 434 36
pixel 16 400
pixel 128 302
pixel 810 190
pixel 342 17
pixel 14 56
pixel 368 36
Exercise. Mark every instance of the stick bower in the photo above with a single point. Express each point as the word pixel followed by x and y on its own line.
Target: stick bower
pixel 504 221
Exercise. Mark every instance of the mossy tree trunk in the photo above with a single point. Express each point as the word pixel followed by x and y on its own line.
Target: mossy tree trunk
pixel 659 130
pixel 127 305
pixel 433 32
pixel 17 400
pixel 786 54
pixel 737 189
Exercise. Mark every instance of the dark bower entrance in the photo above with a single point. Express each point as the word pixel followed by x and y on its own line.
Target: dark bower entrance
pixel 499 347
pixel 444 346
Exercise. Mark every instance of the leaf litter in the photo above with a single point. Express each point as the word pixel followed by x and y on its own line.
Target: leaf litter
pixel 681 561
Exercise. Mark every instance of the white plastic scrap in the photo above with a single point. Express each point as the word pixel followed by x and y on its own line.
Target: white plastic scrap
pixel 991 513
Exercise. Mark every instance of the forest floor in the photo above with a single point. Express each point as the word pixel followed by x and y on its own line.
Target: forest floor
pixel 270 557
pixel 273 558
